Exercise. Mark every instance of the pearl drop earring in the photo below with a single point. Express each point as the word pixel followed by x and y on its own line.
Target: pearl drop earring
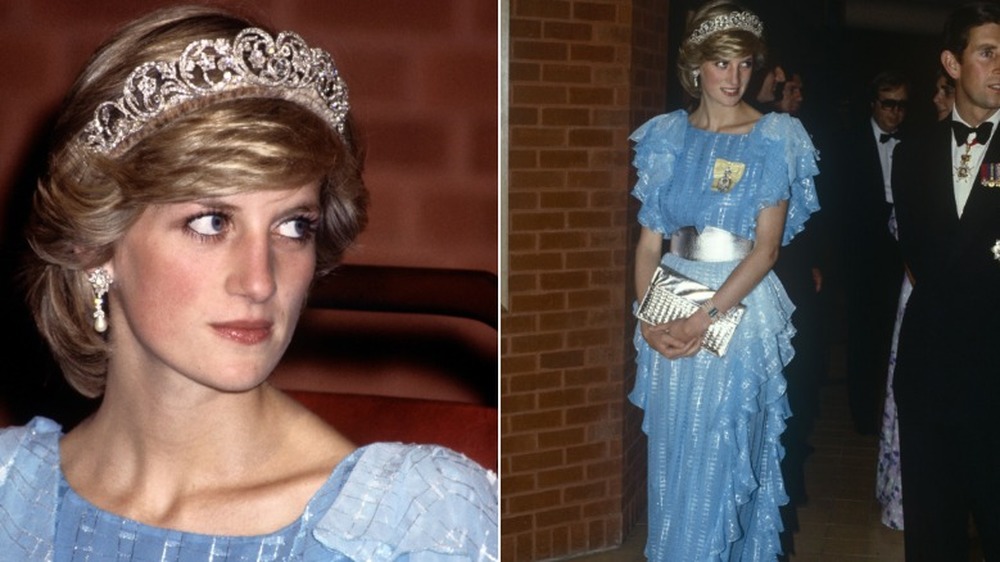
pixel 101 281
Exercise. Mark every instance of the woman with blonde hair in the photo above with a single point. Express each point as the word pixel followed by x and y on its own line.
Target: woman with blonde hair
pixel 726 186
pixel 204 170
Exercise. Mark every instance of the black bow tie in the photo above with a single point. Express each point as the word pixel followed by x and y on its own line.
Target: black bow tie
pixel 962 132
pixel 884 137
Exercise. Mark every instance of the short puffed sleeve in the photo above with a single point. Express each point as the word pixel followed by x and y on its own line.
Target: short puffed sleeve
pixel 657 144
pixel 789 171
pixel 414 502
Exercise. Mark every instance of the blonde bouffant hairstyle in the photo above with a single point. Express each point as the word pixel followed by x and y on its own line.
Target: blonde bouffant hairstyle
pixel 726 44
pixel 212 147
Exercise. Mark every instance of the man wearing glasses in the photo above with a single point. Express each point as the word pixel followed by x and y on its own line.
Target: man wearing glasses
pixel 872 267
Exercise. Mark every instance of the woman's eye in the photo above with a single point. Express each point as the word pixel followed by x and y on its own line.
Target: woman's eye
pixel 208 225
pixel 722 64
pixel 298 228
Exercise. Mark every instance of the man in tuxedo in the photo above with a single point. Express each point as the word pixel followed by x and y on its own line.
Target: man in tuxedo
pixel 870 261
pixel 946 185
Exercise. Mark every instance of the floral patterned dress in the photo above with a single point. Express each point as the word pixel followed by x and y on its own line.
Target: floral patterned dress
pixel 888 482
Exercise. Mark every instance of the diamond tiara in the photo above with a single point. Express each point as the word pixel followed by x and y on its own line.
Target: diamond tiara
pixel 252 65
pixel 746 21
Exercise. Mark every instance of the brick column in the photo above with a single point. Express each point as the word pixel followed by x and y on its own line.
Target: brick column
pixel 582 76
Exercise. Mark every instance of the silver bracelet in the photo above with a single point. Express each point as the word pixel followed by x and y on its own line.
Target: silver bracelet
pixel 709 308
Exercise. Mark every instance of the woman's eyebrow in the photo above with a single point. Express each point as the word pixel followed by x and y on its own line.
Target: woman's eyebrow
pixel 214 202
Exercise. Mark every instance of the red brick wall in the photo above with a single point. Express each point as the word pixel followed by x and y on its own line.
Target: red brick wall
pixel 572 456
pixel 423 82
pixel 650 68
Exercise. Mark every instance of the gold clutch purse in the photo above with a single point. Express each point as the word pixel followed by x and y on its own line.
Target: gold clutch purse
pixel 671 296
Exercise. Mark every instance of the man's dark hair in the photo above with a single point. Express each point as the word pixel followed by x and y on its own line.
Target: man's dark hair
pixel 790 71
pixel 887 80
pixel 956 29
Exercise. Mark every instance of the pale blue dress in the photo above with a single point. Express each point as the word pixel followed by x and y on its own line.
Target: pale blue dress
pixel 386 501
pixel 714 424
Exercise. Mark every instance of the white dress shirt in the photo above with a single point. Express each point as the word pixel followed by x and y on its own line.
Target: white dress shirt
pixel 885 158
pixel 963 186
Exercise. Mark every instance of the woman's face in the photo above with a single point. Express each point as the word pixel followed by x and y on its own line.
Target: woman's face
pixel 724 81
pixel 944 98
pixel 209 291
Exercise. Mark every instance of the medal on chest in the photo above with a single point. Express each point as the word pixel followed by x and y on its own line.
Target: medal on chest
pixel 962 172
pixel 990 176
pixel 726 174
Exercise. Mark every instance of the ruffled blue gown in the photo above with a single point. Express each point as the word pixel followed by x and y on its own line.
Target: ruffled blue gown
pixel 714 424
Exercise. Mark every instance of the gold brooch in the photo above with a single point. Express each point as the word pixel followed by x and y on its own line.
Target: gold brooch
pixel 726 174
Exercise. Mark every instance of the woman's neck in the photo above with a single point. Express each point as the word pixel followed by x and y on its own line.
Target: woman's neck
pixel 718 118
pixel 183 435
pixel 180 462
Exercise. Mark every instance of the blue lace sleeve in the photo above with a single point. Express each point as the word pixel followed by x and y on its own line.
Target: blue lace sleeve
pixel 10 440
pixel 29 479
pixel 789 172
pixel 414 502
pixel 657 143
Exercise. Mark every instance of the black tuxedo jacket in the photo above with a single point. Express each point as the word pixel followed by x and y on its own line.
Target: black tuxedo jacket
pixel 866 210
pixel 948 361
pixel 869 258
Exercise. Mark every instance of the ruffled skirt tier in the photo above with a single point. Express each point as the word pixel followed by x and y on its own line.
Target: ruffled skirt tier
pixel 714 427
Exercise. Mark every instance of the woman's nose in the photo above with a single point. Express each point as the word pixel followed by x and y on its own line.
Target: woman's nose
pixel 252 269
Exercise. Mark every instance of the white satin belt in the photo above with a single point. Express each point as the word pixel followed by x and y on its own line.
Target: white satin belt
pixel 712 244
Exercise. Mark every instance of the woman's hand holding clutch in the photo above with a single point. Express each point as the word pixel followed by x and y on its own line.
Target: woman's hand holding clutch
pixel 674 339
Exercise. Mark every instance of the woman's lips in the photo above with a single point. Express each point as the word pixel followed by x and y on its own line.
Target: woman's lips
pixel 249 332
